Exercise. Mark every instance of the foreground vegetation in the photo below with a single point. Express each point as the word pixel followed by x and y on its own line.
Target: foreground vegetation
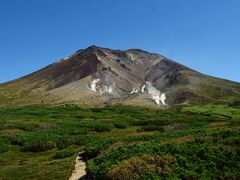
pixel 121 142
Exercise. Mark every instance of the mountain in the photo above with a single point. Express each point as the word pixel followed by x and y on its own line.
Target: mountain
pixel 96 76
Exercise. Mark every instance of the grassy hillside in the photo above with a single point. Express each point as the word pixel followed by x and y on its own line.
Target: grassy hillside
pixel 122 142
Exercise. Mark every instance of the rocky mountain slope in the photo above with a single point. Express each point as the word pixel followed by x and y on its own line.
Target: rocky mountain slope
pixel 96 76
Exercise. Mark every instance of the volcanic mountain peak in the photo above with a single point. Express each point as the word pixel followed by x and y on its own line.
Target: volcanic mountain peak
pixel 96 76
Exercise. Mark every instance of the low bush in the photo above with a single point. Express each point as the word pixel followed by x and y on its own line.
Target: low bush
pixel 80 131
pixel 26 126
pixel 39 145
pixel 94 148
pixel 37 142
pixel 103 127
pixel 151 122
pixel 194 160
pixel 141 167
pixel 3 148
pixel 235 104
pixel 152 127
pixel 4 142
pixel 120 125
pixel 64 153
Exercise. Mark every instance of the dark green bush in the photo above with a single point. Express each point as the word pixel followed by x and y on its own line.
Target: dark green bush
pixel 151 122
pixel 120 125
pixel 94 148
pixel 235 104
pixel 39 145
pixel 25 126
pixel 142 166
pixel 64 153
pixel 194 160
pixel 103 127
pixel 4 142
pixel 3 148
pixel 153 128
pixel 79 131
pixel 37 142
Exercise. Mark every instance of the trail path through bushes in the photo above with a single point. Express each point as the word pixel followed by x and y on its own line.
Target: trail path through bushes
pixel 80 169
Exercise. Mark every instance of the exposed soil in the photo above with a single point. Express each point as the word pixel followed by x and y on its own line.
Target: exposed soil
pixel 80 168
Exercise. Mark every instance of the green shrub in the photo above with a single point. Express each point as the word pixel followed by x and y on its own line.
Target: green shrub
pixel 235 104
pixel 140 130
pixel 120 125
pixel 152 127
pixel 37 142
pixel 93 149
pixel 103 127
pixel 80 131
pixel 39 145
pixel 157 122
pixel 141 167
pixel 3 148
pixel 4 142
pixel 64 153
pixel 27 126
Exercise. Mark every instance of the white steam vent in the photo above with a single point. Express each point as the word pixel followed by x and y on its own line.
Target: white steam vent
pixel 134 91
pixel 93 84
pixel 158 97
pixel 97 85
pixel 143 88
pixel 106 89
pixel 163 98
pixel 102 89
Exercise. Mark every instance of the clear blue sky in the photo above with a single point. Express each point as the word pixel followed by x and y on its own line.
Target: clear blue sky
pixel 202 34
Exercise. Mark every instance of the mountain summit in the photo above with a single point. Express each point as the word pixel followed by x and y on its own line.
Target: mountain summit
pixel 96 76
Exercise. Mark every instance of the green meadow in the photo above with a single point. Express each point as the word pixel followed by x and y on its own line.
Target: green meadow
pixel 121 142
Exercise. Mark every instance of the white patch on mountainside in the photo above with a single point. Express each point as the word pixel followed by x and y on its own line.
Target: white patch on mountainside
pixel 93 84
pixel 143 88
pixel 131 57
pixel 157 96
pixel 163 98
pixel 134 91
pixel 106 89
pixel 102 89
pixel 66 58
